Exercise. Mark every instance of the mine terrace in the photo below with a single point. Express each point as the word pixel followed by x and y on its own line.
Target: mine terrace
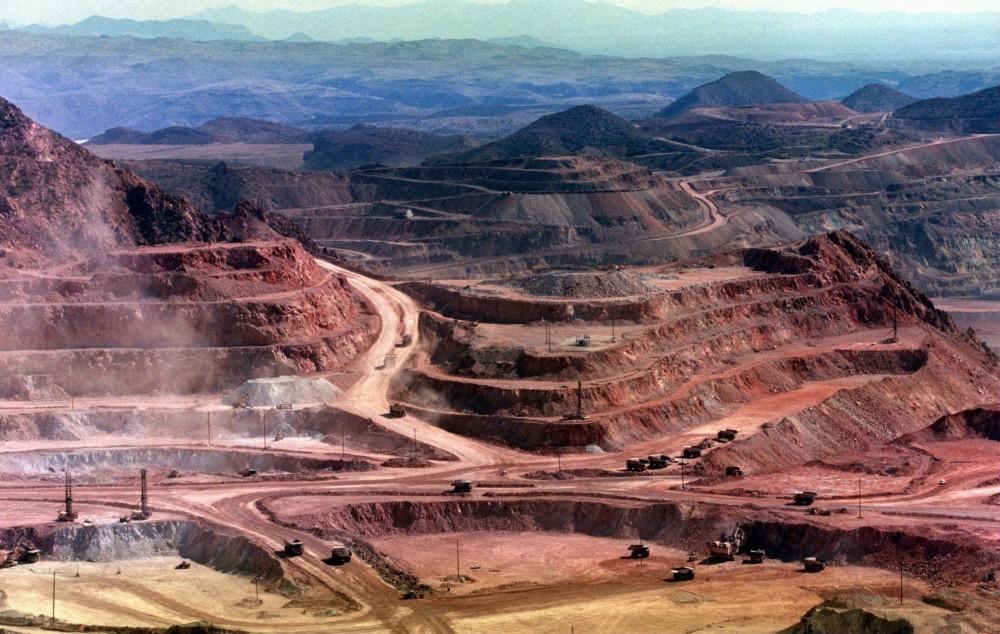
pixel 499 393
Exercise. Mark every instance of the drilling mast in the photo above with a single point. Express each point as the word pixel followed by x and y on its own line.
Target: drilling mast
pixel 68 514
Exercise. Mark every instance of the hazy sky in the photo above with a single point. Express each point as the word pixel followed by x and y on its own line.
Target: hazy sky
pixel 64 11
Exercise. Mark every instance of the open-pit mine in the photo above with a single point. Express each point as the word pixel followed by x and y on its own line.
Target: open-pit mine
pixel 546 394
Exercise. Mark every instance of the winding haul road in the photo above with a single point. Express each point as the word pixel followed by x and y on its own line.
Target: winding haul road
pixel 235 505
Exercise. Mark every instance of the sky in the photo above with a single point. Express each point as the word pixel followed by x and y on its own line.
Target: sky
pixel 68 11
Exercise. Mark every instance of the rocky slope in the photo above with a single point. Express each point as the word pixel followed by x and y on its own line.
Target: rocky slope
pixel 62 203
pixel 977 113
pixel 112 286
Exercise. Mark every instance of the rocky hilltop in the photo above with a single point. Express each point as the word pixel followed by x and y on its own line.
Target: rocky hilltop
pixel 579 129
pixel 61 202
pixel 876 98
pixel 369 144
pixel 742 88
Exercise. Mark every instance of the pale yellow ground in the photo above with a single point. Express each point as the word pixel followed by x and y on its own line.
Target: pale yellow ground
pixel 148 592
pixel 534 582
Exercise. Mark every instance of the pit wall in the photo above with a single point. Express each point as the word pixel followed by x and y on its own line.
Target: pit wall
pixel 952 379
pixel 209 546
pixel 764 324
pixel 127 371
pixel 220 461
pixel 155 324
pixel 360 433
pixel 635 390
pixel 687 526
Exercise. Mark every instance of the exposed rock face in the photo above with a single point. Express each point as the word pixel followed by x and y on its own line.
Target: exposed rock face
pixel 181 319
pixel 112 286
pixel 933 210
pixel 61 202
pixel 701 349
pixel 742 88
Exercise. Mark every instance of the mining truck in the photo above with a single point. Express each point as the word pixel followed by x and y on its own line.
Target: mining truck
pixel 633 464
pixel 757 556
pixel 812 564
pixel 340 555
pixel 461 486
pixel 638 551
pixel 691 452
pixel 294 548
pixel 682 573
pixel 804 498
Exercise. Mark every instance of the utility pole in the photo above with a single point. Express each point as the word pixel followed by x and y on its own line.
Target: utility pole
pixel 613 330
pixel 682 474
pixel 458 564
pixel 53 597
pixel 343 441
pixel 579 399
pixel 256 581
pixel 900 578
pixel 209 417
pixel 859 497
pixel 559 458
pixel 263 423
pixel 414 441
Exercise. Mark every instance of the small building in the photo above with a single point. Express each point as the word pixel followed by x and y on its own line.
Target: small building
pixel 682 573
pixel 757 556
pixel 340 555
pixel 734 472
pixel 461 486
pixel 812 564
pixel 638 551
pixel 294 548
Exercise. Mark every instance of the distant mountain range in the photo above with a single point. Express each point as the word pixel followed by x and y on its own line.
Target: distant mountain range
pixel 876 98
pixel 195 30
pixel 601 27
pixel 74 83
pixel 739 89
pixel 219 130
